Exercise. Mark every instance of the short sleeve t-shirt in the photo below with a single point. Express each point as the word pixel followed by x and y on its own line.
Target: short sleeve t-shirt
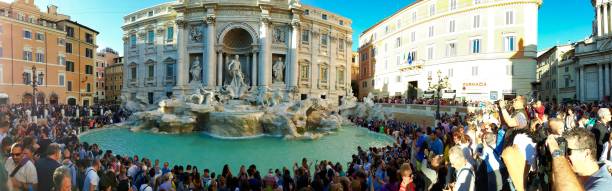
pixel 599 181
pixel 27 173
pixel 521 120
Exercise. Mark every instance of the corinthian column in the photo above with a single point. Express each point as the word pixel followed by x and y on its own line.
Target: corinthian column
pixel 606 30
pixel 293 62
pixel 254 69
pixel 210 64
pixel 266 54
pixel 219 67
pixel 182 60
pixel 598 12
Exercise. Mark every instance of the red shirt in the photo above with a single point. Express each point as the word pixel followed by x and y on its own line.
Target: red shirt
pixel 410 187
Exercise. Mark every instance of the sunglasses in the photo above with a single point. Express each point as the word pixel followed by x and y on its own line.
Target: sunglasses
pixel 569 150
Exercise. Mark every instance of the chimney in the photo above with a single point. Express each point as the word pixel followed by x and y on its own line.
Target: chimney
pixel 52 9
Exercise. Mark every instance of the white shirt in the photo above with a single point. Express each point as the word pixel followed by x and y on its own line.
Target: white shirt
pixel 465 179
pixel 132 171
pixel 605 155
pixel 91 179
pixel 27 173
pixel 145 187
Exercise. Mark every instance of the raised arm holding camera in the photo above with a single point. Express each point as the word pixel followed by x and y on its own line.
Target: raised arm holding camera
pixel 519 118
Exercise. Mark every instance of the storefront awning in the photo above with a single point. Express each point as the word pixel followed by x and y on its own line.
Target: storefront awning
pixel 3 96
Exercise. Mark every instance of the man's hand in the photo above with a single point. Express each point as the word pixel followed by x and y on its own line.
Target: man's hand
pixel 502 103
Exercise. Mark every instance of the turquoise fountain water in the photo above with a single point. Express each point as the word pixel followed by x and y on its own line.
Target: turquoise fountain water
pixel 212 153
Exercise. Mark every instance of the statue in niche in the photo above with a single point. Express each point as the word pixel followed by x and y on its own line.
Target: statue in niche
pixel 196 70
pixel 278 70
pixel 279 35
pixel 236 88
pixel 195 34
pixel 236 72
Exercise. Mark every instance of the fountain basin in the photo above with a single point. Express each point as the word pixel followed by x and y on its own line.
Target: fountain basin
pixel 208 152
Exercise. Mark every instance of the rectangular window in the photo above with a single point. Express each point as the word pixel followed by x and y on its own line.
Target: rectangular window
pixel 413 36
pixel 341 44
pixel 40 36
pixel 88 53
pixel 414 17
pixel 323 74
pixel 567 82
pixel 474 70
pixel 27 55
pixel 451 27
pixel 566 68
pixel 341 22
pixel 151 37
pixel 150 13
pixel 27 34
pixel 89 38
pixel 151 70
pixel 453 4
pixel 70 31
pixel 324 40
pixel 304 72
pixel 451 49
pixel 509 44
pixel 306 12
pixel 68 47
pixel 88 69
pixel 133 73
pixel 398 42
pixel 509 17
pixel 40 57
pixel 170 72
pixel 476 21
pixel 61 60
pixel 133 39
pixel 69 66
pixel 432 9
pixel 88 88
pixel 61 79
pixel 170 34
pixel 451 72
pixel 306 37
pixel 475 46
pixel 430 53
pixel 69 86
pixel 431 31
pixel 477 2
pixel 324 16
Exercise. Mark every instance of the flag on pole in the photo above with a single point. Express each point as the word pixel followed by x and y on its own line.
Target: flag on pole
pixel 409 58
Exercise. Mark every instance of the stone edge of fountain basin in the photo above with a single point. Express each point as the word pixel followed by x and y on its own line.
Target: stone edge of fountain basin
pixel 124 125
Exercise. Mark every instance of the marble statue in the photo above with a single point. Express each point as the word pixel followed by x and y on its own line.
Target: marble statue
pixel 235 72
pixel 278 70
pixel 279 35
pixel 195 34
pixel 236 87
pixel 196 70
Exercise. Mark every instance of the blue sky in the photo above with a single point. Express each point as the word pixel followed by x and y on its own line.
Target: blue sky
pixel 560 21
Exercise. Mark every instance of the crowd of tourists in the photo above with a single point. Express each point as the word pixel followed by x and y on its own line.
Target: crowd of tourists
pixel 426 101
pixel 506 145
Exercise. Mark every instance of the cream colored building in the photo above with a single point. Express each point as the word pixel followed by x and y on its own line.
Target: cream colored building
pixel 556 74
pixel 594 56
pixel 168 44
pixel 486 48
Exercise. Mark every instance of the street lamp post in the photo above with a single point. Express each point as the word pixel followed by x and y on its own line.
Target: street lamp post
pixel 33 81
pixel 442 83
